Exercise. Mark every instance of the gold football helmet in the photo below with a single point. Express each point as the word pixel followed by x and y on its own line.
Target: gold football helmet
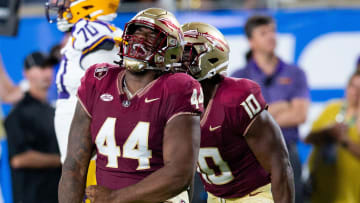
pixel 206 50
pixel 74 10
pixel 163 52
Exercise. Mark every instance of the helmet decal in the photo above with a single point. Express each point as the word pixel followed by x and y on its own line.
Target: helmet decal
pixel 212 39
pixel 206 51
pixel 164 50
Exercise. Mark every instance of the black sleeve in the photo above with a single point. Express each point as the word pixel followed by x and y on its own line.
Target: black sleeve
pixel 15 134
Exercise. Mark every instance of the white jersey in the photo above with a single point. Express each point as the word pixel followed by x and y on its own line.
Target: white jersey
pixel 86 36
pixel 80 52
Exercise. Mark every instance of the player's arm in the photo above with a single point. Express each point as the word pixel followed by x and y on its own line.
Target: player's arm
pixel 72 182
pixel 266 141
pixel 181 144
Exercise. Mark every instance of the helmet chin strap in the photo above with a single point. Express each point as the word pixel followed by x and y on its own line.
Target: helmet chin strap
pixel 63 25
pixel 173 67
pixel 167 68
pixel 213 72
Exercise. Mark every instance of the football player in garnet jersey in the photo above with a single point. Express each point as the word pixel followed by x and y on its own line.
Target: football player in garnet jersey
pixel 243 157
pixel 143 121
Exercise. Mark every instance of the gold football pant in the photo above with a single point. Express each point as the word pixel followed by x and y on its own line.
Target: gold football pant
pixel 261 195
pixel 91 176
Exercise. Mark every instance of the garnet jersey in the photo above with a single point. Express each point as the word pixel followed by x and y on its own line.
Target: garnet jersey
pixel 129 133
pixel 227 166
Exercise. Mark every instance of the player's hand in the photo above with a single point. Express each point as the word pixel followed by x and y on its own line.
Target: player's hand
pixel 98 194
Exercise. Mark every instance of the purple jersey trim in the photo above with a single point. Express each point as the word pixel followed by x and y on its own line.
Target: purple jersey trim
pixel 104 24
pixel 73 42
pixel 88 49
pixel 91 46
pixel 63 94
pixel 72 33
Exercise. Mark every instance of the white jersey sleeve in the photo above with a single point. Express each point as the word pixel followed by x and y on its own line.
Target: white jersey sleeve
pixel 81 51
pixel 87 35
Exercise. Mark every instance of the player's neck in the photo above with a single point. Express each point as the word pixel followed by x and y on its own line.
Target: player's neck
pixel 209 89
pixel 137 81
pixel 266 61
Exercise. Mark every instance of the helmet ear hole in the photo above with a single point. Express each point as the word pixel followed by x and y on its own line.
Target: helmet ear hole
pixel 88 7
pixel 173 57
pixel 213 60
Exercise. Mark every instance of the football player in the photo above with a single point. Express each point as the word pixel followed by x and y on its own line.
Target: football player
pixel 143 121
pixel 91 42
pixel 243 157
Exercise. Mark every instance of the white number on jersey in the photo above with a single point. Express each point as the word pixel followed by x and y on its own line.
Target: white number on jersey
pixel 207 173
pixel 195 100
pixel 135 147
pixel 87 31
pixel 106 144
pixel 251 106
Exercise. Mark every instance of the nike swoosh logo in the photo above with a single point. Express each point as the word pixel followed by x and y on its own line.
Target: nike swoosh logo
pixel 215 128
pixel 150 100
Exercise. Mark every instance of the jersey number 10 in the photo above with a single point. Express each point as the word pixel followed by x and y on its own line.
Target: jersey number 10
pixel 251 106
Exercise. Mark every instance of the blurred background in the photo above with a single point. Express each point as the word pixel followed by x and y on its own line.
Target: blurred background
pixel 320 36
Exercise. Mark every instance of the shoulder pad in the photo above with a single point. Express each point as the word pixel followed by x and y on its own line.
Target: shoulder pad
pixel 87 35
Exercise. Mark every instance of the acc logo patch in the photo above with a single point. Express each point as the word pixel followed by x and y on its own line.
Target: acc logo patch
pixel 100 72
